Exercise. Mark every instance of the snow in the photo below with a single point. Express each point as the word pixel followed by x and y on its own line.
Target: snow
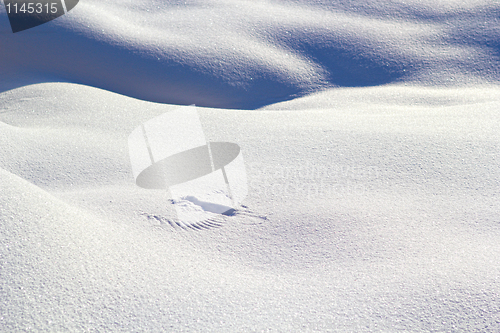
pixel 369 130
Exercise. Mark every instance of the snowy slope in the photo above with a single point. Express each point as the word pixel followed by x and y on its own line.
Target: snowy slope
pixel 245 54
pixel 371 137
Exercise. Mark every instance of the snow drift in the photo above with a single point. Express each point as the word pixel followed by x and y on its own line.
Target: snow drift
pixel 242 54
pixel 372 162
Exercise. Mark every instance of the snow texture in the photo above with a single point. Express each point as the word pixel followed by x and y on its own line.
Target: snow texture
pixel 371 137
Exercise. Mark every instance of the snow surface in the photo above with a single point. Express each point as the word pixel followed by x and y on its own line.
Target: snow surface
pixel 371 135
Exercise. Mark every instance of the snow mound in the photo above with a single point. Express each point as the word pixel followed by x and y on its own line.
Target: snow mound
pixel 373 177
pixel 235 54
